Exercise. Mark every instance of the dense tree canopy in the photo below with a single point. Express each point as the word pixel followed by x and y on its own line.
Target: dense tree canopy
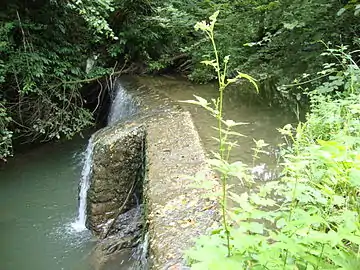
pixel 45 46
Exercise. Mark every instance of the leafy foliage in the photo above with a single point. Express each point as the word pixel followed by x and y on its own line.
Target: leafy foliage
pixel 95 14
pixel 43 59
pixel 309 218
pixel 42 69
pixel 272 38
pixel 5 133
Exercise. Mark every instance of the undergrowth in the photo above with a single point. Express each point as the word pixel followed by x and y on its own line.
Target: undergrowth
pixel 309 217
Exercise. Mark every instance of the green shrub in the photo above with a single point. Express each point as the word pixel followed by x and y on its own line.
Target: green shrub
pixel 310 217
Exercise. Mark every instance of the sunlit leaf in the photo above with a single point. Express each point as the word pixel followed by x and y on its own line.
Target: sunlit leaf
pixel 249 78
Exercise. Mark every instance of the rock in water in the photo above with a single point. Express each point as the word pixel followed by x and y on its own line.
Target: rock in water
pixel 116 251
pixel 118 167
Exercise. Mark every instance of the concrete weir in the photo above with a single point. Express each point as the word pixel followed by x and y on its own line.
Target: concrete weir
pixel 157 153
pixel 178 212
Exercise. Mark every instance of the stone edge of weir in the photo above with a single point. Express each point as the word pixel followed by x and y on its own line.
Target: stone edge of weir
pixel 178 213
pixel 175 210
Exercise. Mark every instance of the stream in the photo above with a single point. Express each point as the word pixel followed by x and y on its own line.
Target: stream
pixel 39 188
pixel 38 203
pixel 260 120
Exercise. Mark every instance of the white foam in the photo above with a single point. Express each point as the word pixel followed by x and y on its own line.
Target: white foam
pixel 79 224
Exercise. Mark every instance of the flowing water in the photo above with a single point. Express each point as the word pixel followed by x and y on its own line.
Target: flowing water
pixel 38 203
pixel 39 228
pixel 79 224
pixel 123 106
pixel 41 221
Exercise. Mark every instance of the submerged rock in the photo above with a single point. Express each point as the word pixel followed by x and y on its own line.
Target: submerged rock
pixel 118 161
pixel 117 250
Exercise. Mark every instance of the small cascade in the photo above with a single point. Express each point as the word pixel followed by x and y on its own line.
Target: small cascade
pixel 79 224
pixel 123 106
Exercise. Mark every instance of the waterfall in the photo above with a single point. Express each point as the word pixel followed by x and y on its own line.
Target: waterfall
pixel 79 224
pixel 122 107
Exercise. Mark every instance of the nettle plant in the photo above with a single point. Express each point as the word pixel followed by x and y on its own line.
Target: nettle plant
pixel 309 218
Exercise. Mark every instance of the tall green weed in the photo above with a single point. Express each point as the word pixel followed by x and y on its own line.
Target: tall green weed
pixel 309 217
